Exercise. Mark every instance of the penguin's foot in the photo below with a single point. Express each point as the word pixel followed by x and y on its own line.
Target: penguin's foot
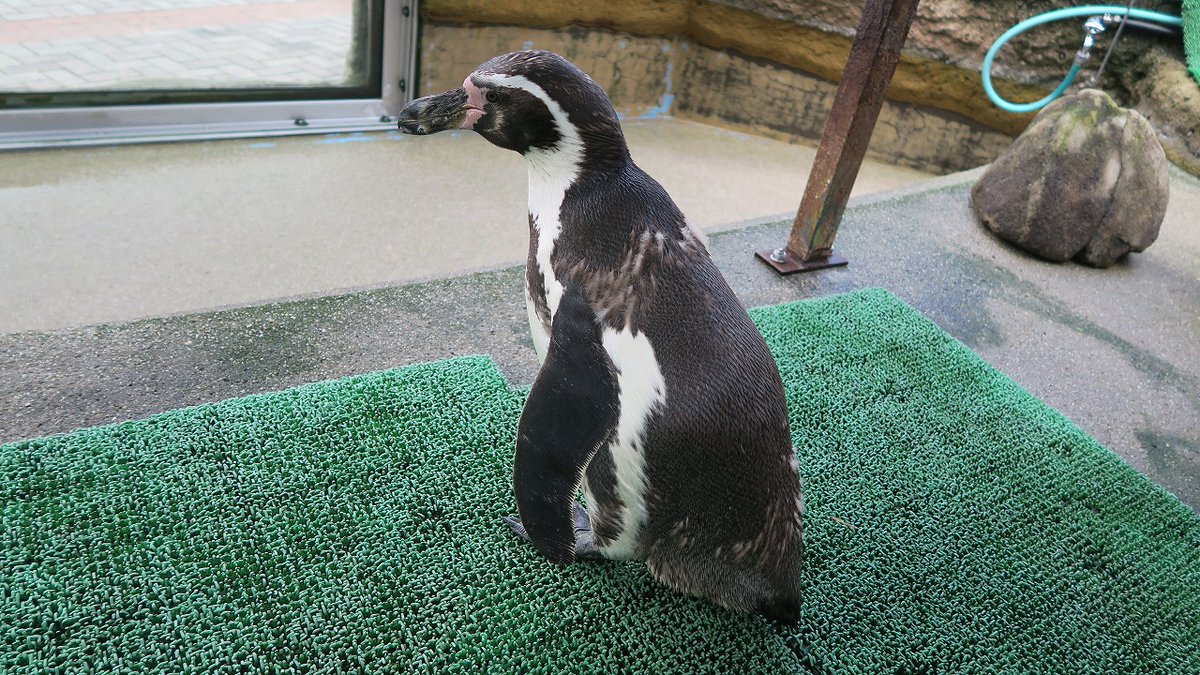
pixel 585 540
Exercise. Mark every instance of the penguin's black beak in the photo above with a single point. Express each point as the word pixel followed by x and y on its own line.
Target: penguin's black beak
pixel 431 114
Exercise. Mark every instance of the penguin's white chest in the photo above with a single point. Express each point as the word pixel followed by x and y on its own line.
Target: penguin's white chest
pixel 552 171
pixel 641 393
pixel 551 174
pixel 538 329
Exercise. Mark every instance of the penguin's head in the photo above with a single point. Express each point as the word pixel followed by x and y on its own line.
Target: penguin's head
pixel 530 101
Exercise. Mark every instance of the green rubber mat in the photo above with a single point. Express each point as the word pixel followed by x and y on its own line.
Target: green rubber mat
pixel 954 524
pixel 1191 36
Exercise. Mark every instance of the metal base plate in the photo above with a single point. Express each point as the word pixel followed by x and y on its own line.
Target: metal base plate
pixel 791 264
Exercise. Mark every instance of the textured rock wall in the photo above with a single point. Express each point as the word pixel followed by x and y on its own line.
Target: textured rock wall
pixel 1161 89
pixel 780 102
pixel 940 66
pixel 647 76
pixel 1144 73
pixel 635 70
pixel 959 32
pixel 750 27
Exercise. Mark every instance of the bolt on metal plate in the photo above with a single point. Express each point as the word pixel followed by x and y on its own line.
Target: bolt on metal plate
pixel 785 263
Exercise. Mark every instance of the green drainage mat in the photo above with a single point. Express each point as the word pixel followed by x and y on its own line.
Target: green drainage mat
pixel 954 524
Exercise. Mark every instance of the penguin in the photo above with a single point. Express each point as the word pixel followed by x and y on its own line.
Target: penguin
pixel 656 395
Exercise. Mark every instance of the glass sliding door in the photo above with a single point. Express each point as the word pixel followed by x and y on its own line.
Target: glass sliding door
pixel 97 71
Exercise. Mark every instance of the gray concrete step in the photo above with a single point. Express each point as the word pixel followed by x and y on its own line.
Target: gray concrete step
pixel 1114 349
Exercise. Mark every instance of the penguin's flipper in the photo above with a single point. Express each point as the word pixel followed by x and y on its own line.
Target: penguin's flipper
pixel 571 411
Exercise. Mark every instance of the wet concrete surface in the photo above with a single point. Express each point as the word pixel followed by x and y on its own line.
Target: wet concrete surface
pixel 1115 349
pixel 98 235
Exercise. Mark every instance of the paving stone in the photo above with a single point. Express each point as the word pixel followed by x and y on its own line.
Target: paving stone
pixel 294 50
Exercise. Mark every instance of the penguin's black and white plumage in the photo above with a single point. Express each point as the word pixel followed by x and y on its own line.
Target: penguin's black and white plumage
pixel 656 394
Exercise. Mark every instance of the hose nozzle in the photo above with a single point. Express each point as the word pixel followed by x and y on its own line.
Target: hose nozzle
pixel 1094 26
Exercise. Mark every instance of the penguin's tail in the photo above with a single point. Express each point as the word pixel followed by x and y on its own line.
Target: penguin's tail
pixel 783 609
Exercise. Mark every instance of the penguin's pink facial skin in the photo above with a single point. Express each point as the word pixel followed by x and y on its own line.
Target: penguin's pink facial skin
pixel 475 105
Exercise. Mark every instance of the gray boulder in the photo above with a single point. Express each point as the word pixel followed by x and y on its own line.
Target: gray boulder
pixel 1087 180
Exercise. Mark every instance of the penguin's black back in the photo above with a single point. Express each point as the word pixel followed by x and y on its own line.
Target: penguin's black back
pixel 718 454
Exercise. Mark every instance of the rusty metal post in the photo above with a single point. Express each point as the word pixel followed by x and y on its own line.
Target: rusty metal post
pixel 873 57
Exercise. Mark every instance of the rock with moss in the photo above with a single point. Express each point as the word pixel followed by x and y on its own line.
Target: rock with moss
pixel 1086 181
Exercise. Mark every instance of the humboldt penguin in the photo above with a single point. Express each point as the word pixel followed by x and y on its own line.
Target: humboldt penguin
pixel 656 394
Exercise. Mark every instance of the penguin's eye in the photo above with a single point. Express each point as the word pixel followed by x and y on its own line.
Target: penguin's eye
pixel 491 96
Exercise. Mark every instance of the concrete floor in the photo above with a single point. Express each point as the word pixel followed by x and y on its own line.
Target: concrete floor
pixel 1115 350
pixel 112 234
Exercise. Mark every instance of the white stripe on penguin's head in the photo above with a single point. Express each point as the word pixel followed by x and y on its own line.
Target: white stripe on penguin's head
pixel 567 154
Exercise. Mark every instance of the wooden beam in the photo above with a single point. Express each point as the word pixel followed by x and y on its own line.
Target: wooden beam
pixel 876 50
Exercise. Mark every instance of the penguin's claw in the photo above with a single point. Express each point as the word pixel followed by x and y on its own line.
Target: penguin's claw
pixel 585 541
pixel 518 529
pixel 580 515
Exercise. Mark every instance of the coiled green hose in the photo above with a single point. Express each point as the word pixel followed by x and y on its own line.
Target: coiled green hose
pixel 1076 66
